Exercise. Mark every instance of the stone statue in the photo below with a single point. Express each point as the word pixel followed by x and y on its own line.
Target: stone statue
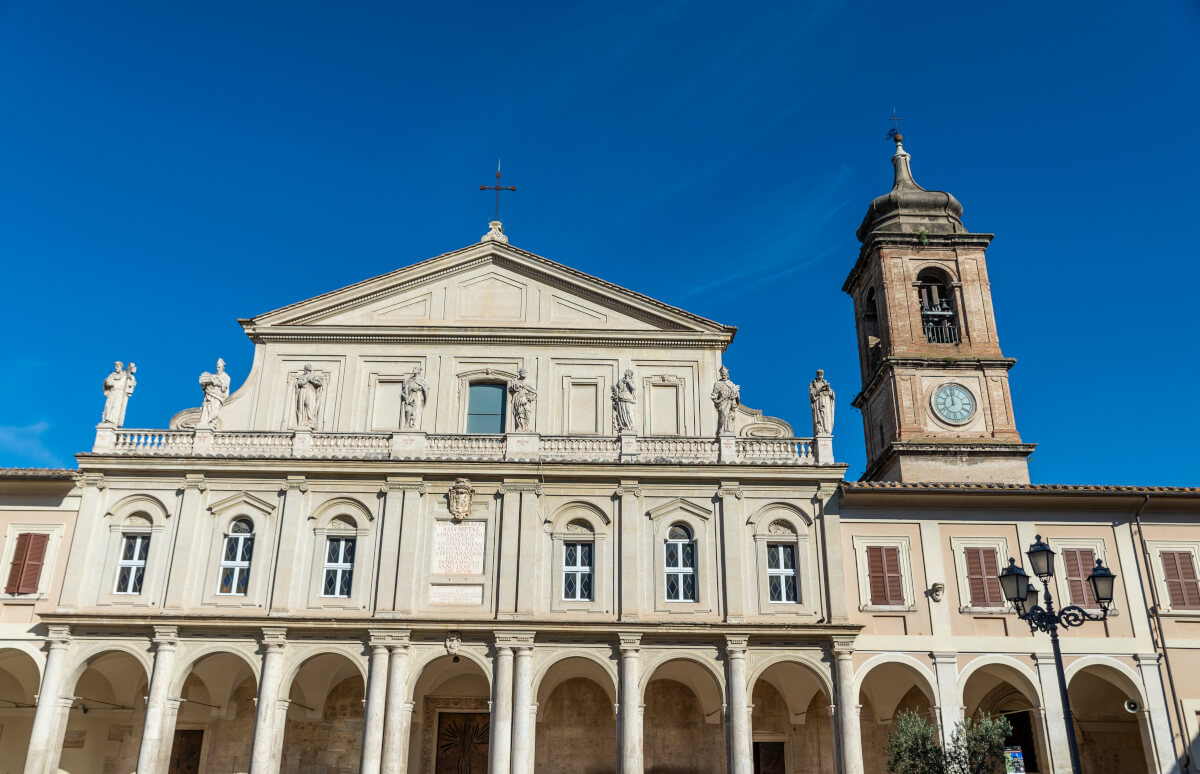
pixel 522 397
pixel 726 396
pixel 216 390
pixel 309 386
pixel 624 397
pixel 820 393
pixel 413 394
pixel 458 499
pixel 118 386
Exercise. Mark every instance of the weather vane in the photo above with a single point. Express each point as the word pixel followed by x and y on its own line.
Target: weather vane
pixel 497 188
pixel 894 132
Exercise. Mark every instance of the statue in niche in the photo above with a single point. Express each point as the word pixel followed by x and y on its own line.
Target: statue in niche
pixel 820 393
pixel 309 387
pixel 459 498
pixel 118 386
pixel 216 390
pixel 624 397
pixel 726 396
pixel 413 394
pixel 522 395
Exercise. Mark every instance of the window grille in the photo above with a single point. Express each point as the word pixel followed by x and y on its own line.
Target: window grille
pixel 577 572
pixel 235 558
pixel 339 567
pixel 131 567
pixel 680 563
pixel 782 576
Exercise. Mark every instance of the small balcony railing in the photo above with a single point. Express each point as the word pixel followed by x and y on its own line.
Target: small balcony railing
pixel 941 332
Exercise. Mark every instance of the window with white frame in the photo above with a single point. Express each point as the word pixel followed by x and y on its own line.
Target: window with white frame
pixel 235 558
pixel 577 570
pixel 885 576
pixel 339 566
pixel 680 564
pixel 131 566
pixel 782 575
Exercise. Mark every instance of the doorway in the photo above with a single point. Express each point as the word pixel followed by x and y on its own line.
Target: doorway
pixel 769 758
pixel 185 751
pixel 462 743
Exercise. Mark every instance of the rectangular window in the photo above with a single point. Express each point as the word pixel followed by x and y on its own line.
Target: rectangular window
pixel 983 577
pixel 781 572
pixel 235 564
pixel 28 557
pixel 1179 572
pixel 577 572
pixel 485 408
pixel 339 567
pixel 1077 566
pixel 883 571
pixel 131 567
pixel 680 562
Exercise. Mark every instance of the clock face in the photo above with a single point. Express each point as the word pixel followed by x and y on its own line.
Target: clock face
pixel 954 403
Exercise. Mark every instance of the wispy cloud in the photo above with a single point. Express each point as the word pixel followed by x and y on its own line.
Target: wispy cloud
pixel 26 445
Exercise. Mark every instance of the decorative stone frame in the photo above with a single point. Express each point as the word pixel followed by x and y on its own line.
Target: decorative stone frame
pixel 1156 547
pixel 323 527
pixel 958 546
pixel 482 376
pixel 154 583
pixel 903 544
pixel 699 520
pixel 557 527
pixel 483 510
pixel 603 418
pixel 664 380
pixel 972 383
pixel 241 505
pixel 1062 592
pixel 806 558
pixel 53 534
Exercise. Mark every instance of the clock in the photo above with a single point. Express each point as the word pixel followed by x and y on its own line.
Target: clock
pixel 954 403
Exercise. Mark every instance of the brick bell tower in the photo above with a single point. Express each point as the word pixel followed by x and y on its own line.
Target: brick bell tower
pixel 935 401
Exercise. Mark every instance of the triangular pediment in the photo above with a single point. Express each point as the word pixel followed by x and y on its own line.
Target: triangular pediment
pixel 487 285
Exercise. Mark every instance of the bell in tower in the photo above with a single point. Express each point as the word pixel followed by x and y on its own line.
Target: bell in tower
pixel 935 400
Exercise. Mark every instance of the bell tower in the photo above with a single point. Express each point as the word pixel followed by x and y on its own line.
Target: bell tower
pixel 935 400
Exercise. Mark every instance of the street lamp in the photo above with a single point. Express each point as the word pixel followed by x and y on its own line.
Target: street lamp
pixel 1024 597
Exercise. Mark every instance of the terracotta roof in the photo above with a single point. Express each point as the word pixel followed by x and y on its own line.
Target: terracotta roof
pixel 917 486
pixel 62 474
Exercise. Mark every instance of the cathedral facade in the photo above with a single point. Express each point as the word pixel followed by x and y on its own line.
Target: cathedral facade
pixel 487 513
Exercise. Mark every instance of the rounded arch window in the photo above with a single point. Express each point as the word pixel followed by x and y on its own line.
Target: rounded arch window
pixel 939 319
pixel 236 556
pixel 871 329
pixel 679 562
pixel 343 522
pixel 340 545
pixel 241 527
pixel 140 519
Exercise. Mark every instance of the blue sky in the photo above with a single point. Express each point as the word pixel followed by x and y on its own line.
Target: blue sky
pixel 166 168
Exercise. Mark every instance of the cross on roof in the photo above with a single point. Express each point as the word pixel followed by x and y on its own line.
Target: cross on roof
pixel 497 188
pixel 894 132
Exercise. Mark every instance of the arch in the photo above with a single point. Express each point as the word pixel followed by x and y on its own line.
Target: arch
pixel 596 667
pixel 932 271
pixel 428 674
pixel 922 672
pixel 787 512
pixel 895 676
pixel 798 680
pixel 327 511
pixel 577 509
pixel 1026 682
pixel 1107 668
pixel 351 653
pixel 818 669
pixel 94 651
pixel 685 668
pixel 148 504
pixel 19 670
pixel 183 669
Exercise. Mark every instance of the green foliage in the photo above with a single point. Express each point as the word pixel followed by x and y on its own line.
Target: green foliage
pixel 976 747
pixel 923 236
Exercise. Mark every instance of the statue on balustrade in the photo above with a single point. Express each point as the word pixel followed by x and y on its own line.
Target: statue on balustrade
pixel 413 394
pixel 310 385
pixel 522 395
pixel 624 397
pixel 118 386
pixel 820 393
pixel 216 390
pixel 726 396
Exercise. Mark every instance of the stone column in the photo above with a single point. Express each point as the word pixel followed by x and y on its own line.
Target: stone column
pixel 372 735
pixel 62 717
pixel 168 735
pixel 1161 739
pixel 629 729
pixel 266 749
pixel 399 710
pixel 741 758
pixel 165 640
pixel 849 729
pixel 522 710
pixel 501 722
pixel 1056 726
pixel 42 738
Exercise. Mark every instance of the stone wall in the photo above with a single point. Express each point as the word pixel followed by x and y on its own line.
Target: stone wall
pixel 333 744
pixel 227 741
pixel 576 731
pixel 676 738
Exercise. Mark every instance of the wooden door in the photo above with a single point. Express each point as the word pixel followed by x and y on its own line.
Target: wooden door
pixel 185 751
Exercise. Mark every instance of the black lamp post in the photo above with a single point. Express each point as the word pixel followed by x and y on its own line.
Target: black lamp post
pixel 1023 596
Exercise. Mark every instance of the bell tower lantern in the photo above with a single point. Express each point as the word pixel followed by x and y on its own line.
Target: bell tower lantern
pixel 935 400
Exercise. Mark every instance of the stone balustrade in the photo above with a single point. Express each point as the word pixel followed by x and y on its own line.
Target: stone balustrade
pixel 306 444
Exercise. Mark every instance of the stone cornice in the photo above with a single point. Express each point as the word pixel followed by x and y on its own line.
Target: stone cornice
pixel 353 334
pixel 891 363
pixel 880 239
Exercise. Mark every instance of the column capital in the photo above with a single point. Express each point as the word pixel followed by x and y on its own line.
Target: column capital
pixel 174 704
pixel 729 489
pixel 630 643
pixel 165 637
pixel 274 637
pixel 1040 659
pixel 58 637
pixel 514 639
pixel 843 647
pixel 944 657
pixel 389 638
pixel 84 480
pixel 629 487
pixel 298 483
pixel 509 485
pixel 65 702
pixel 394 484
pixel 736 644
pixel 1147 659
pixel 194 481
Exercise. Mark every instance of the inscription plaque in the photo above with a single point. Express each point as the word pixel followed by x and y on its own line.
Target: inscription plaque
pixel 458 547
pixel 456 595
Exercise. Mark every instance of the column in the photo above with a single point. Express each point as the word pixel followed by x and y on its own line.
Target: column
pixel 510 538
pixel 741 757
pixel 42 738
pixel 849 730
pixel 290 545
pixel 631 571
pixel 168 735
pixel 949 708
pixel 732 544
pixel 265 751
pixel 372 735
pixel 165 640
pixel 407 565
pixel 500 745
pixel 398 718
pixel 522 710
pixel 1161 739
pixel 528 553
pixel 629 729
pixel 184 574
pixel 1056 727
pixel 825 502
pixel 389 538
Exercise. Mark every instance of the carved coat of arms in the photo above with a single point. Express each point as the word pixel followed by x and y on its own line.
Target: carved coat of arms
pixel 459 498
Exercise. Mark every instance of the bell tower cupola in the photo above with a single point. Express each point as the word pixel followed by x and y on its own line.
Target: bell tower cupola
pixel 935 400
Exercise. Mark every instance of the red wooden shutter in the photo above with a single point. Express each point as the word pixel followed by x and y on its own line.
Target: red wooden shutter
pixel 18 564
pixel 983 577
pixel 1179 571
pixel 883 573
pixel 32 573
pixel 875 575
pixel 1078 564
pixel 891 568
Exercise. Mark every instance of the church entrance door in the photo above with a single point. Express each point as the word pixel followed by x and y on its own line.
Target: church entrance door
pixel 768 758
pixel 185 751
pixel 462 743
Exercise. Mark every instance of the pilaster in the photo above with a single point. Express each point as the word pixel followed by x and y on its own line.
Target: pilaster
pixel 182 581
pixel 391 524
pixel 628 576
pixel 407 556
pixel 292 542
pixel 733 551
pixel 86 542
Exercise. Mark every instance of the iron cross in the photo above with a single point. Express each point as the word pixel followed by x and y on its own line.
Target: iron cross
pixel 895 130
pixel 497 188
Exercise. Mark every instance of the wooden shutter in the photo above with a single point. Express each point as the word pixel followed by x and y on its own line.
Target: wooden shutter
pixel 18 564
pixel 883 573
pixel 26 569
pixel 1179 571
pixel 1078 564
pixel 983 577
